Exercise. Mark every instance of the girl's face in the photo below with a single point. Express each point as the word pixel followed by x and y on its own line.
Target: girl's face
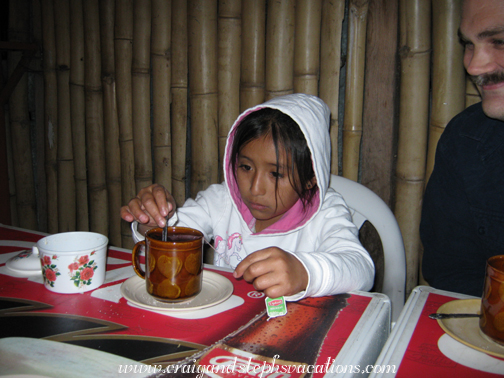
pixel 256 177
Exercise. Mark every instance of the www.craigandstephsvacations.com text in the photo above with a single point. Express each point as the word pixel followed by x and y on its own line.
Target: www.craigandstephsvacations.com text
pixel 249 368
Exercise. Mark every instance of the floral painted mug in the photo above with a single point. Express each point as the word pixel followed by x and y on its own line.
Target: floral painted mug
pixel 72 262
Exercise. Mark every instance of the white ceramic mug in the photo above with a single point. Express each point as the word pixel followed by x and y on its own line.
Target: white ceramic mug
pixel 72 262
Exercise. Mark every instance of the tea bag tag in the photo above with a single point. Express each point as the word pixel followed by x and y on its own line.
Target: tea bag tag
pixel 275 307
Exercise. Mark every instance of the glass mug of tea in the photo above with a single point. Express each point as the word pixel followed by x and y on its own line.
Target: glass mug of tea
pixel 492 302
pixel 173 268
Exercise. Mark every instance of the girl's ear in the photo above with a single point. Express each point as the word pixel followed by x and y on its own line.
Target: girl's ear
pixel 312 183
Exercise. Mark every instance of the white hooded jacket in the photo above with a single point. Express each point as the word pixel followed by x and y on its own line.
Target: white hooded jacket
pixel 325 240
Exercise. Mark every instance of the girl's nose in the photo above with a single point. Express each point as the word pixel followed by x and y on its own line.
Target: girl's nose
pixel 479 60
pixel 257 185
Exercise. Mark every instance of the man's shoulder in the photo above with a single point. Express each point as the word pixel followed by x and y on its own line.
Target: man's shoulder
pixel 470 123
pixel 468 115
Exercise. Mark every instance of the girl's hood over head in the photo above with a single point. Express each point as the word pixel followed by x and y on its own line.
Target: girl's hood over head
pixel 313 117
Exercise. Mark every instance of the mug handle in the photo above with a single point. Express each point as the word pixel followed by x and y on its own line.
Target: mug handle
pixel 135 258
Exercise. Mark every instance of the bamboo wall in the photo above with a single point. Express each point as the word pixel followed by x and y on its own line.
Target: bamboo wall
pixel 128 92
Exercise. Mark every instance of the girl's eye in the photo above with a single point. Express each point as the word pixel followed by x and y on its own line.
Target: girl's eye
pixel 245 167
pixel 277 175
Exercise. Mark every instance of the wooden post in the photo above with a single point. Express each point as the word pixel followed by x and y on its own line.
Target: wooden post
pixel 51 114
pixel 141 93
pixel 252 74
pixel 203 89
pixel 66 181
pixel 333 13
pixel 307 46
pixel 110 122
pixel 179 83
pixel 415 16
pixel 98 209
pixel 229 25
pixel 354 89
pixel 448 74
pixel 123 51
pixel 78 113
pixel 280 48
pixel 380 106
pixel 161 83
pixel 20 123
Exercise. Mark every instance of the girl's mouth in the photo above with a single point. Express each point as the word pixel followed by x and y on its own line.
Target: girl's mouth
pixel 257 206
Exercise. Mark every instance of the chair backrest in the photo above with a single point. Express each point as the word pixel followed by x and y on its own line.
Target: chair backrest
pixel 365 205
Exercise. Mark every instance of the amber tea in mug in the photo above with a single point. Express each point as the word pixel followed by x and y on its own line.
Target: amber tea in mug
pixel 492 302
pixel 173 268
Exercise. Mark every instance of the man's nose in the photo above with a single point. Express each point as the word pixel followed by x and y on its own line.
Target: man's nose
pixel 481 60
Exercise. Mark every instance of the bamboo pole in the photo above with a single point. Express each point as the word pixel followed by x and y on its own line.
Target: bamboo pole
pixel 38 105
pixel 229 25
pixel 179 83
pixel 472 95
pixel 141 92
pixel 20 122
pixel 161 82
pixel 98 208
pixel 413 122
pixel 203 91
pixel 14 217
pixel 78 113
pixel 123 52
pixel 66 182
pixel 110 122
pixel 280 48
pixel 51 114
pixel 354 89
pixel 333 13
pixel 252 73
pixel 307 46
pixel 448 74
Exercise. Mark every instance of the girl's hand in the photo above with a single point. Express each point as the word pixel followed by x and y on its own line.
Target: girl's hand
pixel 273 271
pixel 150 207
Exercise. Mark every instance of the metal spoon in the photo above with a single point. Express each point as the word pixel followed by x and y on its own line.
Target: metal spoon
pixel 164 234
pixel 450 316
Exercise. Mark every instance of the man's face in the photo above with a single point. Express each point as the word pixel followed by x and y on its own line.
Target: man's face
pixel 482 32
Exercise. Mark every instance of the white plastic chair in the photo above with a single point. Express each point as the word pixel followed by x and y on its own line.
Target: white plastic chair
pixel 365 205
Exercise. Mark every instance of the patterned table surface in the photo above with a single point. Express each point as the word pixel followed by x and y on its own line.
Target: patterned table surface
pixel 103 322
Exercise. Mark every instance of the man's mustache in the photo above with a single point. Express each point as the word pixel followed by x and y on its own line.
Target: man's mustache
pixel 488 79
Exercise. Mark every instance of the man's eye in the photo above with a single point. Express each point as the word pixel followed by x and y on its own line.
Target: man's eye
pixel 467 45
pixel 498 42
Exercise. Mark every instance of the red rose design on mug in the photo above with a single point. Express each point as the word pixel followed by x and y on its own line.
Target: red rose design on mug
pixel 73 266
pixel 86 274
pixel 49 270
pixel 83 260
pixel 83 270
pixel 50 275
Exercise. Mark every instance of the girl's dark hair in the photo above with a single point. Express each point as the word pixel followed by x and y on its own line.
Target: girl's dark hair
pixel 285 132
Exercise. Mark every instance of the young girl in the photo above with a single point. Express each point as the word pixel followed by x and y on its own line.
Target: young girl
pixel 274 220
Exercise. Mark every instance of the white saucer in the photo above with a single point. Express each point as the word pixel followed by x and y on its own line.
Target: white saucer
pixel 216 289
pixel 467 330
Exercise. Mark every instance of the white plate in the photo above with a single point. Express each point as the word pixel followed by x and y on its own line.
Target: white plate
pixel 467 330
pixel 216 289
